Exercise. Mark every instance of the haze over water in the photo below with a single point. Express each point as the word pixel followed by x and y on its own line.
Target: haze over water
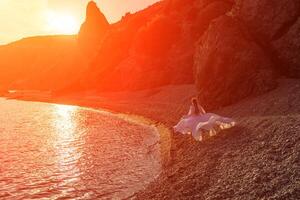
pixel 59 151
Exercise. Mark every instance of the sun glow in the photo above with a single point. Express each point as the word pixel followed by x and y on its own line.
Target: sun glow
pixel 62 23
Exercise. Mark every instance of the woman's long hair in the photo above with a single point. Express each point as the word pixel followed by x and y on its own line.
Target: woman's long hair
pixel 196 106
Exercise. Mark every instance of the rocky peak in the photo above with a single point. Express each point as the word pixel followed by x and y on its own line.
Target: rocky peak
pixel 94 15
pixel 93 29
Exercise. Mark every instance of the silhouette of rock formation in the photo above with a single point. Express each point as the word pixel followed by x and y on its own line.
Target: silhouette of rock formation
pixel 237 48
pixel 153 47
pixel 93 30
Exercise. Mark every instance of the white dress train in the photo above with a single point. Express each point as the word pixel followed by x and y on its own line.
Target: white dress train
pixel 198 124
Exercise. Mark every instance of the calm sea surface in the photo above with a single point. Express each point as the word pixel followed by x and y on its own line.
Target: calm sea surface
pixel 68 152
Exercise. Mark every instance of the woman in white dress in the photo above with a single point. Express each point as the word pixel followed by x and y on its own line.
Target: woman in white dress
pixel 199 123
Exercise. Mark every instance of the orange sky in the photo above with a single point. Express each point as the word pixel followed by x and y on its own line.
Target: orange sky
pixel 23 18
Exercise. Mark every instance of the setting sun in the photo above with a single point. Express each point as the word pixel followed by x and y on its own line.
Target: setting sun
pixel 20 18
pixel 62 23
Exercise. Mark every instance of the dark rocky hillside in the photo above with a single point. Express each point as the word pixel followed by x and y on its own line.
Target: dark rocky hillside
pixel 243 52
pixel 153 47
pixel 231 49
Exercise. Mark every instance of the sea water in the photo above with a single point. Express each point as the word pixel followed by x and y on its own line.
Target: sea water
pixel 69 152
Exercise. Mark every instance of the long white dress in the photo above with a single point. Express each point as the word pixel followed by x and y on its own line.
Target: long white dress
pixel 198 124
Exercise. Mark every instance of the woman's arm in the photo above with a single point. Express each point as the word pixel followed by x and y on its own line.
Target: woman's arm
pixel 201 110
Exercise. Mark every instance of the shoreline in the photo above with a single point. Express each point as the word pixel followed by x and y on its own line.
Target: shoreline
pixel 257 159
pixel 161 130
pixel 144 141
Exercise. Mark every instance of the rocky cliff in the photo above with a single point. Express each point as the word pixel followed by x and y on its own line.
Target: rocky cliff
pixel 231 49
pixel 153 47
pixel 244 51
pixel 93 30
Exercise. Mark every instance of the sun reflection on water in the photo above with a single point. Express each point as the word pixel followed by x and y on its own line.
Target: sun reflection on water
pixel 67 146
pixel 66 152
pixel 64 120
